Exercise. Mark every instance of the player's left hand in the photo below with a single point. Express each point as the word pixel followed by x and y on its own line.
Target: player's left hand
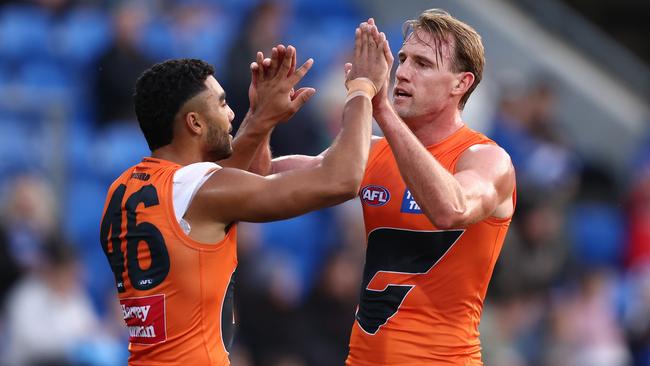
pixel 271 93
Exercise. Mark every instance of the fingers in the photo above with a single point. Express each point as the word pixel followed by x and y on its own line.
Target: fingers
pixel 286 62
pixel 272 64
pixel 255 69
pixel 301 71
pixel 357 43
pixel 260 62
pixel 292 69
pixel 364 40
pixel 301 97
pixel 346 69
pixel 387 52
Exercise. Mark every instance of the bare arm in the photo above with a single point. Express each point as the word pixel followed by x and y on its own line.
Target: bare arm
pixel 292 162
pixel 234 195
pixel 484 178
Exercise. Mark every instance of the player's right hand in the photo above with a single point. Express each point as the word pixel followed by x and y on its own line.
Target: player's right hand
pixel 369 55
pixel 381 100
pixel 271 93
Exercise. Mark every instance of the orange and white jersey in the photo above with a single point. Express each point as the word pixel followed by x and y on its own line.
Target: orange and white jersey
pixel 175 292
pixel 423 288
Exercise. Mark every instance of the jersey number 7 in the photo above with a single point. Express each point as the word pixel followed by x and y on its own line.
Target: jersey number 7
pixel 397 255
pixel 136 233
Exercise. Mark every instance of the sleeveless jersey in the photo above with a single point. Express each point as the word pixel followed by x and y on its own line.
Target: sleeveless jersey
pixel 423 288
pixel 175 292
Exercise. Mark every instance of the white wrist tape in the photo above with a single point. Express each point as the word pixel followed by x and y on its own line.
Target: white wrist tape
pixel 357 93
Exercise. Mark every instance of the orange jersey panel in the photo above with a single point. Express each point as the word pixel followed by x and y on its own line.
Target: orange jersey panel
pixel 174 291
pixel 423 288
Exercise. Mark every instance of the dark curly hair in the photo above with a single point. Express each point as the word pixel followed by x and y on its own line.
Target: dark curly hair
pixel 161 91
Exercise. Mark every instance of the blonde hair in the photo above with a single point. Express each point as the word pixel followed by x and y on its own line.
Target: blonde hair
pixel 469 55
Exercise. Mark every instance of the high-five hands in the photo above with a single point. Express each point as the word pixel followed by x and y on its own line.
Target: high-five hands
pixel 370 61
pixel 372 43
pixel 271 93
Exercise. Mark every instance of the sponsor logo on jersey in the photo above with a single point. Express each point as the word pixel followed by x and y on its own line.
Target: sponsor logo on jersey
pixel 140 176
pixel 409 205
pixel 375 195
pixel 145 318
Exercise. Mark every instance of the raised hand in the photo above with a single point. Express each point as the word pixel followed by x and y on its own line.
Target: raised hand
pixel 272 95
pixel 369 56
pixel 381 99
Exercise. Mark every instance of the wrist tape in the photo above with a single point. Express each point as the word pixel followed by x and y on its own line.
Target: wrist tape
pixel 360 87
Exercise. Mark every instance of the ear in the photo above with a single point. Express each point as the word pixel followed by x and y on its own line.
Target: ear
pixel 193 122
pixel 464 81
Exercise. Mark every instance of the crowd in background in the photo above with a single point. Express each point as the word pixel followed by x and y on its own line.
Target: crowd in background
pixel 572 285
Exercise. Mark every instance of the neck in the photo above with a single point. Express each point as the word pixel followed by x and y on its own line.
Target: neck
pixel 178 154
pixel 433 129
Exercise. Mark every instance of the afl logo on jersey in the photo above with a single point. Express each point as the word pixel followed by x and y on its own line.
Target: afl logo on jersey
pixel 375 195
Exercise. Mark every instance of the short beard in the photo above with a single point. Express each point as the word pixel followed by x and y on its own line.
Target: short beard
pixel 219 145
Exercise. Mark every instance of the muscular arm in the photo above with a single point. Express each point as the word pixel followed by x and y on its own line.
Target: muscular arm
pixel 232 195
pixel 484 177
pixel 293 162
pixel 235 195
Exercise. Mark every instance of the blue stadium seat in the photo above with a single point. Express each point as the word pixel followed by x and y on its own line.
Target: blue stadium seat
pixel 79 141
pixel 44 73
pixel 309 37
pixel 315 9
pixel 209 43
pixel 83 206
pixel 116 148
pixel 24 32
pixel 156 40
pixel 20 146
pixel 597 231
pixel 83 35
pixel 306 246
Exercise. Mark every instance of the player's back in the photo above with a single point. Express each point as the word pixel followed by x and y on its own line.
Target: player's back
pixel 172 289
pixel 423 288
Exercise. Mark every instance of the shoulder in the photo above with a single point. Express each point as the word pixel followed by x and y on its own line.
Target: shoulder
pixel 489 161
pixel 485 155
pixel 228 184
pixel 195 171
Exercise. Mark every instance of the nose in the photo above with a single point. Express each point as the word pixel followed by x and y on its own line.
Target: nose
pixel 403 72
pixel 231 114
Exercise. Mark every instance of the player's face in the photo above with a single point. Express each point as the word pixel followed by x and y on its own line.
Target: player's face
pixel 423 81
pixel 218 140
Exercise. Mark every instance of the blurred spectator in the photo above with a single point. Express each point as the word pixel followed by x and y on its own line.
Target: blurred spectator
pixel 9 270
pixel 535 253
pixel 596 222
pixel 48 312
pixel 524 126
pixel 638 211
pixel 30 218
pixel 122 63
pixel 198 29
pixel 637 257
pixel 262 30
pixel 636 314
pixel 328 315
pixel 585 329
